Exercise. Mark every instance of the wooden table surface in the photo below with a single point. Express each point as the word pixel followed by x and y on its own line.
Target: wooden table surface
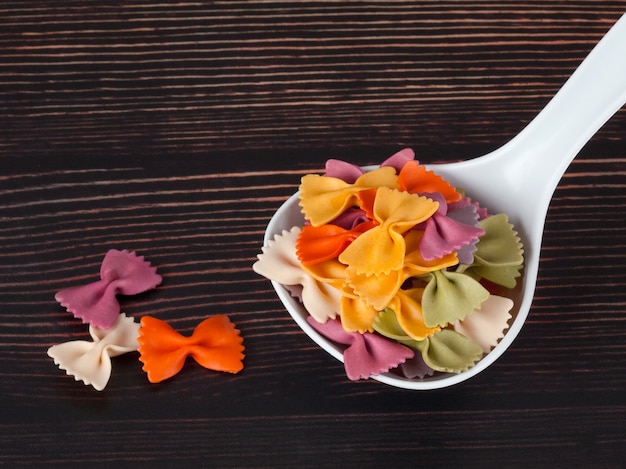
pixel 177 129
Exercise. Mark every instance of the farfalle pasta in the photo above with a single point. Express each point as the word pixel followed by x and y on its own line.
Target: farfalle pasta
pixel 215 344
pixel 121 273
pixel 398 259
pixel 90 362
pixel 364 353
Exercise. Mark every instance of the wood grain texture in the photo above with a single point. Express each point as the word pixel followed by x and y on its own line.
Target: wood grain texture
pixel 214 76
pixel 177 129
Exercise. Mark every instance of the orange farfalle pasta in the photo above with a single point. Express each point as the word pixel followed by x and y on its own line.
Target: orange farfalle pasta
pixel 215 344
pixel 382 248
pixel 416 179
pixel 321 243
pixel 366 202
pixel 324 198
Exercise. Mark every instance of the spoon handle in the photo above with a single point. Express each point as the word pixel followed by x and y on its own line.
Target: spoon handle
pixel 520 177
pixel 595 91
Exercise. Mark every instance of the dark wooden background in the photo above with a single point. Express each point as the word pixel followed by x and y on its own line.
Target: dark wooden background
pixel 176 129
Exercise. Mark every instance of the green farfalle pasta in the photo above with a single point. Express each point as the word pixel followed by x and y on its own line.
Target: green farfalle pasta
pixel 446 350
pixel 387 324
pixel 449 351
pixel 450 296
pixel 499 254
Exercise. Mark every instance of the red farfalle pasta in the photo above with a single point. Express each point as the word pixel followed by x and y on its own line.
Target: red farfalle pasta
pixel 215 344
pixel 121 273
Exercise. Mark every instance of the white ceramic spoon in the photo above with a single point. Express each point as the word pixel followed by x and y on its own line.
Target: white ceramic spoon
pixel 518 179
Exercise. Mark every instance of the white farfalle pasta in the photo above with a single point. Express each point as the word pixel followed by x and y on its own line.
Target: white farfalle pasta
pixel 280 263
pixel 486 325
pixel 90 362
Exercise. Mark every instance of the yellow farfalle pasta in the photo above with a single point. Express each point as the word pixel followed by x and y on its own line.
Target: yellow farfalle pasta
pixel 382 248
pixel 324 198
pixel 408 310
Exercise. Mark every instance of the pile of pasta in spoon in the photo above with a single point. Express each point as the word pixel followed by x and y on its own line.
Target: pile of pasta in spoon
pixel 398 267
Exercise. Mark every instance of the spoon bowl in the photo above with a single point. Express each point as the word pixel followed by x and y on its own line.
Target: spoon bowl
pixel 518 179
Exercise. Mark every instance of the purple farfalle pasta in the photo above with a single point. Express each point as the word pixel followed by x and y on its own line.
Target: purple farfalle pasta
pixel 342 170
pixel 121 273
pixel 366 354
pixel 350 218
pixel 443 235
pixel 399 159
pixel 415 367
